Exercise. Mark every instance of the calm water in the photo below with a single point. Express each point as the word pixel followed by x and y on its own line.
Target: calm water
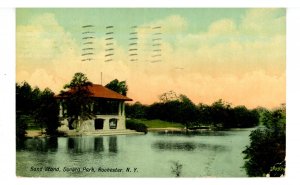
pixel 202 154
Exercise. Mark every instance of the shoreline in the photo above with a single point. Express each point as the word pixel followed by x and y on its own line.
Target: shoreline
pixel 39 133
pixel 166 129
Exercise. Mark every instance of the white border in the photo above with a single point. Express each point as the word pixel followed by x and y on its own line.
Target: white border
pixel 149 3
pixel 7 93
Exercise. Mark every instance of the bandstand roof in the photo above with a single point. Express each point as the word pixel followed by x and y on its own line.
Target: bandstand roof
pixel 99 91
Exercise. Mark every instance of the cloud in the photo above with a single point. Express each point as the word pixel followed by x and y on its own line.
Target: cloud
pixel 264 22
pixel 221 27
pixel 237 48
pixel 249 89
pixel 242 62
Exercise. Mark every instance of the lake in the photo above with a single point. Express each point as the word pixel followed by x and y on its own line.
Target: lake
pixel 201 154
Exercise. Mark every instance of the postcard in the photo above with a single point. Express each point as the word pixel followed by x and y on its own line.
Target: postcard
pixel 150 92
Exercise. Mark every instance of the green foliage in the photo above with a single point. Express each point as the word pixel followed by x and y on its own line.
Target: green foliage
pixel 21 126
pixel 138 126
pixel 266 152
pixel 136 110
pixel 37 108
pixel 176 168
pixel 119 87
pixel 157 123
pixel 78 81
pixel 47 111
pixel 77 102
pixel 181 109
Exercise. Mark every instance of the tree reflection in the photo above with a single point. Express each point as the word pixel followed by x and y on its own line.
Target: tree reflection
pixel 39 144
pixel 165 145
pixel 187 146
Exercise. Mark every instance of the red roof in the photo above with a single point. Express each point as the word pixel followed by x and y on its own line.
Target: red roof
pixel 99 91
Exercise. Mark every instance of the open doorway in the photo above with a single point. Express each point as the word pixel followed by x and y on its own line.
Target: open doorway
pixel 99 124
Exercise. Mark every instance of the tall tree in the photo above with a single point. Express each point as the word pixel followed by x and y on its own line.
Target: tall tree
pixel 78 101
pixel 267 141
pixel 35 107
pixel 48 111
pixel 118 86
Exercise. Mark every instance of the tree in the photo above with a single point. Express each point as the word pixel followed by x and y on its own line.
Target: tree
pixel 119 87
pixel 270 140
pixel 136 110
pixel 48 111
pixel 35 107
pixel 78 102
pixel 23 98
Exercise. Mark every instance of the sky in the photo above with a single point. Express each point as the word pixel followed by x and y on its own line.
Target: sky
pixel 238 55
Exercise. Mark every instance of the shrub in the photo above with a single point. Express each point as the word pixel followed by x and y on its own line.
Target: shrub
pixel 139 127
pixel 266 152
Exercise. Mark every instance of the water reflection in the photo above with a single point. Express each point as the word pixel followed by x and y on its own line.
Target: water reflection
pixel 217 148
pixel 187 146
pixel 92 144
pixel 194 133
pixel 39 144
pixel 165 145
pixel 199 155
pixel 113 144
pixel 98 144
pixel 71 144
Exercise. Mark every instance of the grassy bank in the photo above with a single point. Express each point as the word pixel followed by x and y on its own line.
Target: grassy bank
pixel 159 123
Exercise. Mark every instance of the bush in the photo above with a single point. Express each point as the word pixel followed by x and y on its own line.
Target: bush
pixel 21 126
pixel 266 152
pixel 139 127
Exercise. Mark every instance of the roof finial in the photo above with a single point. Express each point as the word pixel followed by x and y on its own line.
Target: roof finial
pixel 101 77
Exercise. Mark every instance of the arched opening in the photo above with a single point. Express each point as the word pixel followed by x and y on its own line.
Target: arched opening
pixel 99 124
pixel 113 123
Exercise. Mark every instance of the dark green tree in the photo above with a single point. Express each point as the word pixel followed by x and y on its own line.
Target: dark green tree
pixel 77 100
pixel 48 111
pixel 23 98
pixel 118 86
pixel 35 108
pixel 266 152
pixel 136 110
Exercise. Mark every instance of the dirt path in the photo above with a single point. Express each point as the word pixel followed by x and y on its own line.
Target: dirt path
pixel 34 133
